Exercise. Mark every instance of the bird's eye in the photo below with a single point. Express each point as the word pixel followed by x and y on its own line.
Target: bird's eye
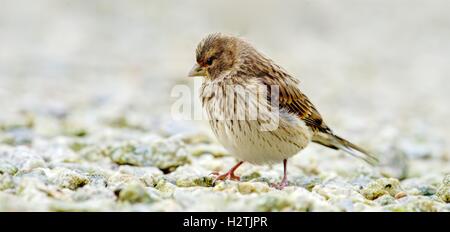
pixel 210 60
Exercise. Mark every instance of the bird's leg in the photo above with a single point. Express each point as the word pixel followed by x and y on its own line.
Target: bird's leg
pixel 284 181
pixel 230 174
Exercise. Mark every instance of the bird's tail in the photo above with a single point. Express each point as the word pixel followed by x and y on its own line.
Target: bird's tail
pixel 335 142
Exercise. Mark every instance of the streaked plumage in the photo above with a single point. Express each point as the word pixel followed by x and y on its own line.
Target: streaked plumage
pixel 239 81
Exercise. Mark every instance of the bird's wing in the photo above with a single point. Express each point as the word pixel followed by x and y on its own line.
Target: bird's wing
pixel 290 98
pixel 293 100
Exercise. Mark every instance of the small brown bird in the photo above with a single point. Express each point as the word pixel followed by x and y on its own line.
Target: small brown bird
pixel 256 109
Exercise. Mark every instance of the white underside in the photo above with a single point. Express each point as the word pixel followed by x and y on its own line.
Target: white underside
pixel 247 140
pixel 263 147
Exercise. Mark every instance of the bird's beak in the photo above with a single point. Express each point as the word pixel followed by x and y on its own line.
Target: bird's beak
pixel 196 71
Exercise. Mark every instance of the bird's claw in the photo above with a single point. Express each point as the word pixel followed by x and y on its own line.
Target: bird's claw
pixel 226 176
pixel 281 185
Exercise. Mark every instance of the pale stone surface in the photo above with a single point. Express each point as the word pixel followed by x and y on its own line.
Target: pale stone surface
pixel 86 93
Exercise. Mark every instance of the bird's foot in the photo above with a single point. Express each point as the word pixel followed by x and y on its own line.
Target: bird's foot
pixel 284 181
pixel 281 185
pixel 227 176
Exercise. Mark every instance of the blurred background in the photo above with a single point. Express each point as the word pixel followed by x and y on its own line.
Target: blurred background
pixel 378 71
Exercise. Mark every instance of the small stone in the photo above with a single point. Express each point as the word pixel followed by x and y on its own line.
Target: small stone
pixel 251 176
pixel 381 187
pixel 165 187
pixel 6 182
pixel 70 179
pixel 400 195
pixel 444 190
pixel 71 129
pixel 127 154
pixel 146 175
pixel 169 154
pixel 7 168
pixel 77 146
pixel 252 187
pixel 91 192
pixel 196 139
pixel 385 200
pixel 272 203
pixel 205 181
pixel 134 193
pixel 120 122
pixel 165 154
pixel 417 204
pixel 22 158
pixel 119 179
pixel 94 205
pixel 307 182
pixel 446 180
pixel 427 190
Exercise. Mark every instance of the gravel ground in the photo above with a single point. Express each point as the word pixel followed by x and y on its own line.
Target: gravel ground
pixel 86 100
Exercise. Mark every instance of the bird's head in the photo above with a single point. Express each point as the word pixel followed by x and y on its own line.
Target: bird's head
pixel 216 53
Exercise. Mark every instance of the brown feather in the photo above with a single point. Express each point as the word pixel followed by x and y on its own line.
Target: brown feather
pixel 290 97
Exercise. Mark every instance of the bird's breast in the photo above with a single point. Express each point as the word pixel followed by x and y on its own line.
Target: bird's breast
pixel 248 126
